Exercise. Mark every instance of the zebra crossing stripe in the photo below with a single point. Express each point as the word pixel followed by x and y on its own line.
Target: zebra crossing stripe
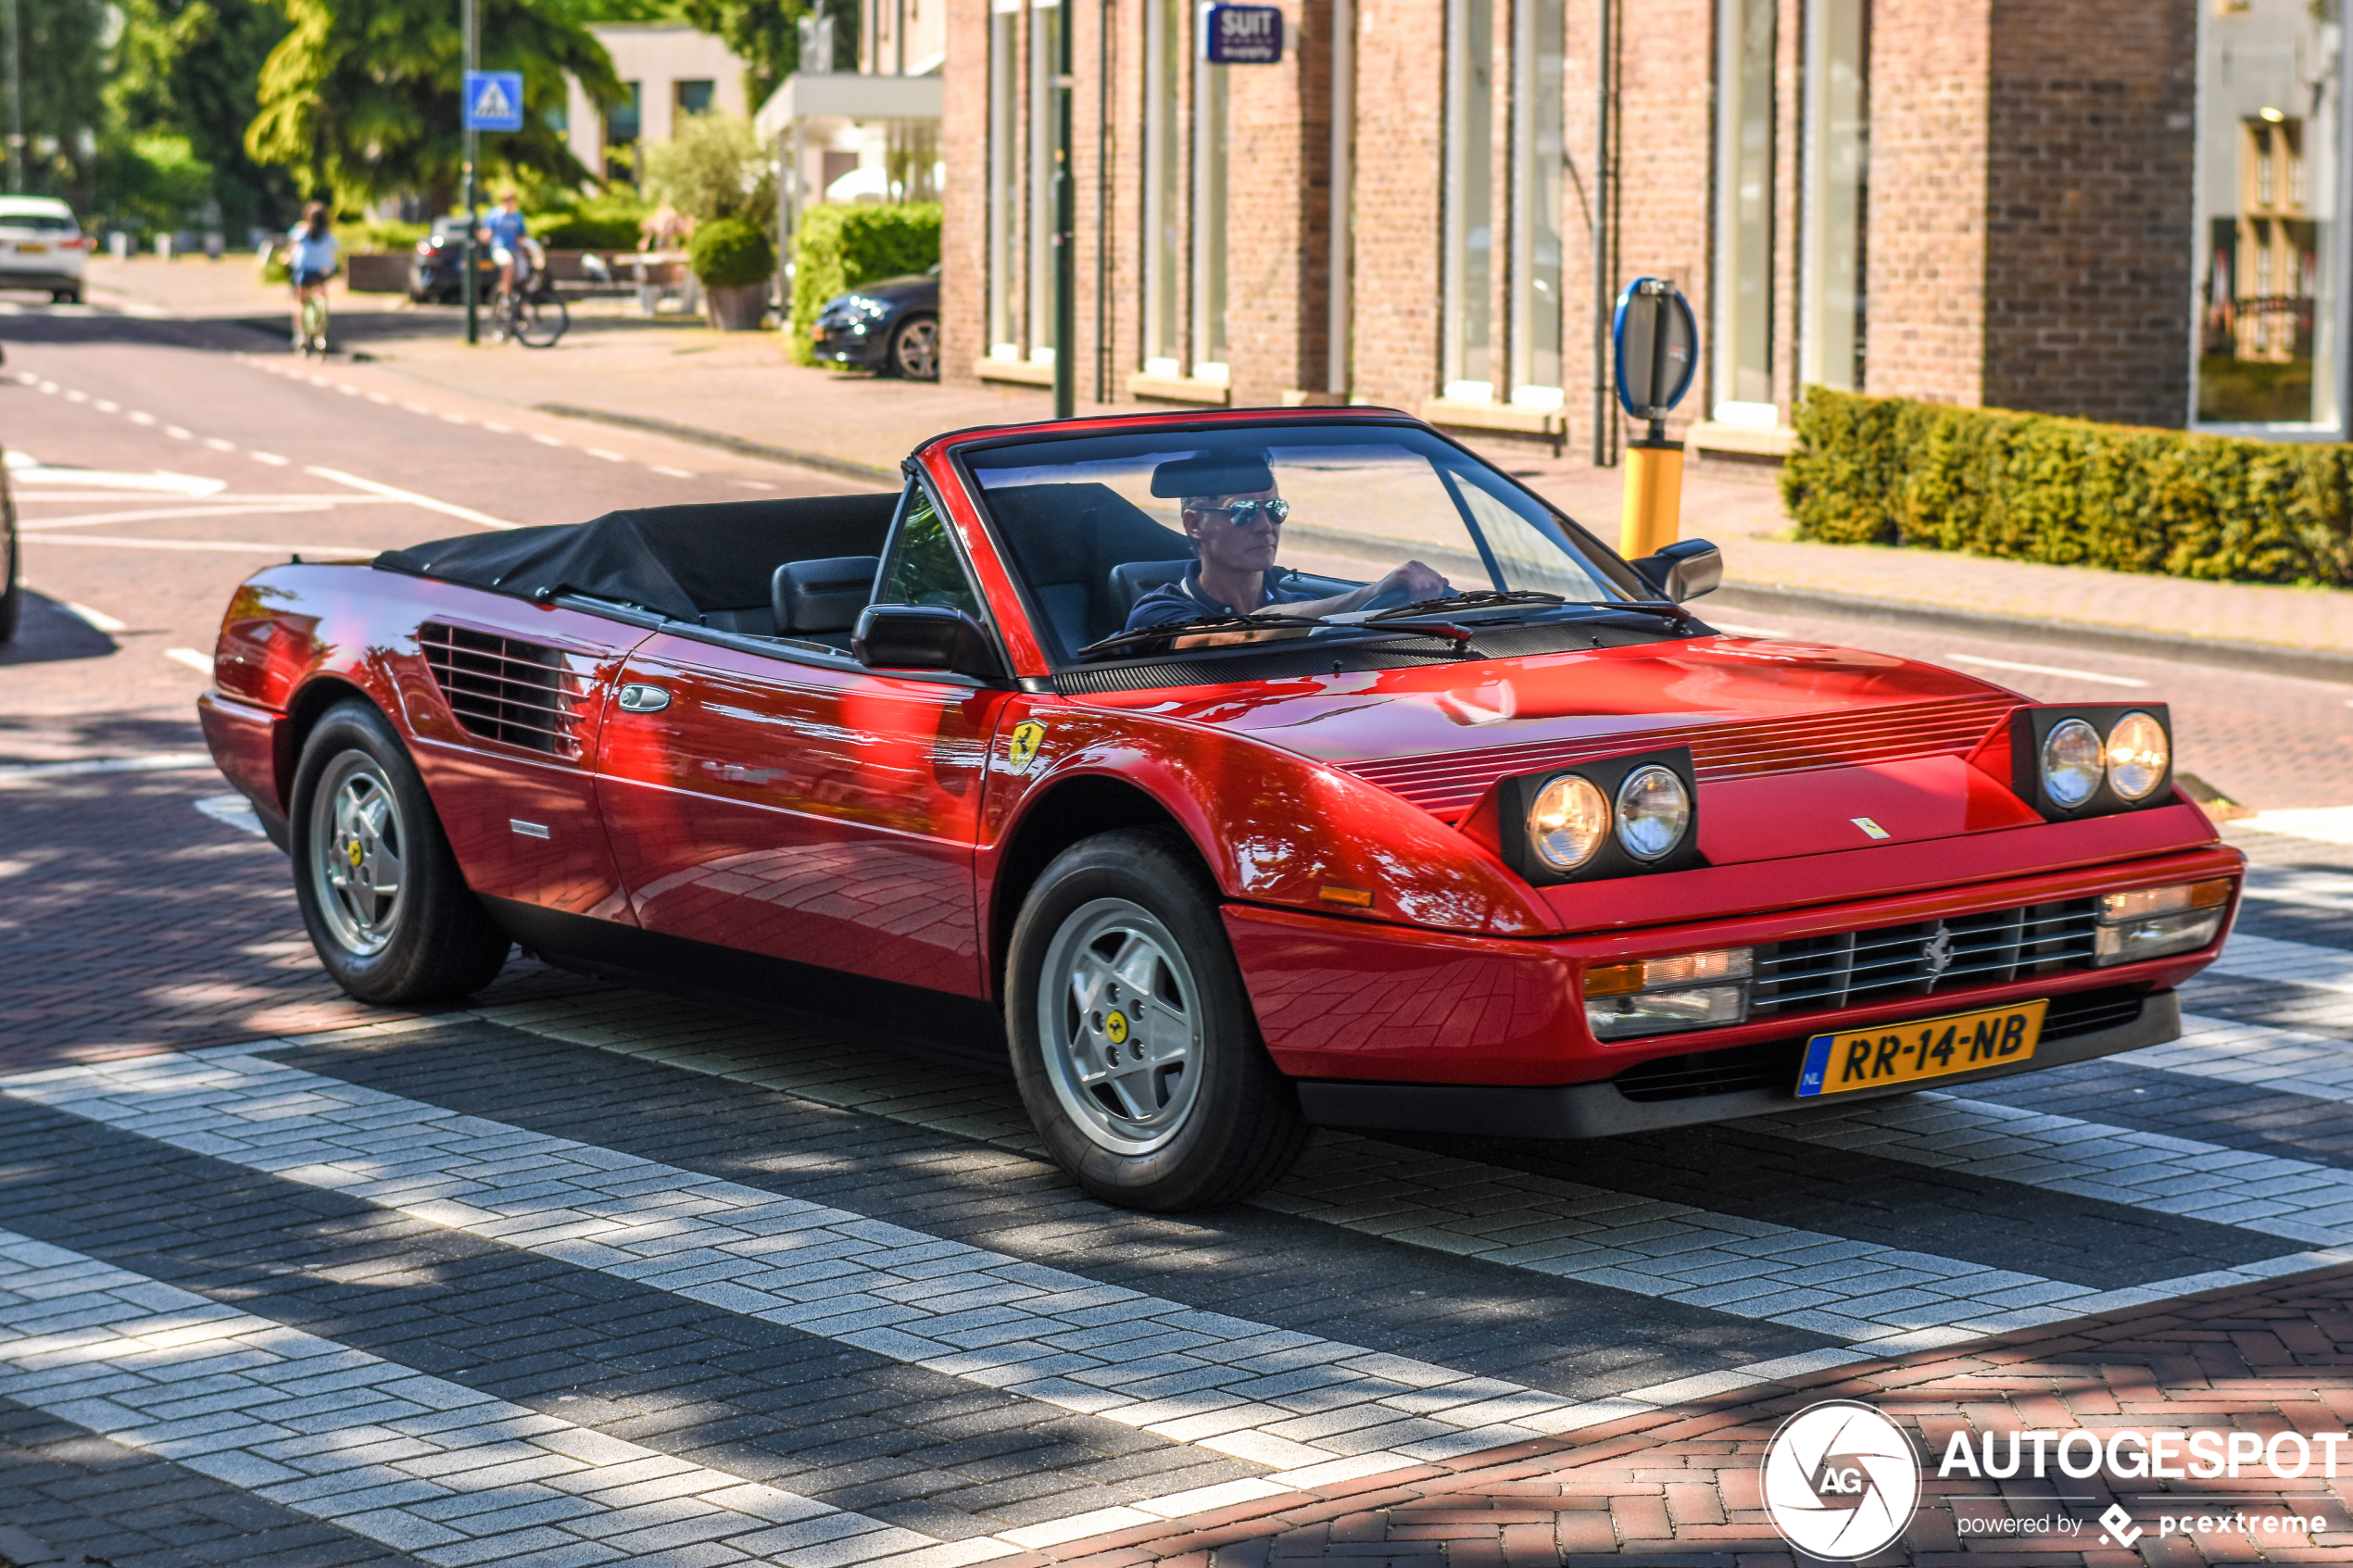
pixel 2295 963
pixel 2258 1055
pixel 422 1464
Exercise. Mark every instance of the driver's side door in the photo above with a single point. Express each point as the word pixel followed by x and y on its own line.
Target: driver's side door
pixel 801 805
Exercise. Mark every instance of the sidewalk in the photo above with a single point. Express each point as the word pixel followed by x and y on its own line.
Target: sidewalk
pixel 740 388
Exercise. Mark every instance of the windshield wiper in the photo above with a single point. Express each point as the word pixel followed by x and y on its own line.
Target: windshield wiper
pixel 1143 636
pixel 1477 598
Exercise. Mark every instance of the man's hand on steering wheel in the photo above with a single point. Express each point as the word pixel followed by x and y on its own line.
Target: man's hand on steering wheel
pixel 1410 583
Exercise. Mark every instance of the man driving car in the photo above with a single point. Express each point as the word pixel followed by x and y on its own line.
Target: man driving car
pixel 1234 517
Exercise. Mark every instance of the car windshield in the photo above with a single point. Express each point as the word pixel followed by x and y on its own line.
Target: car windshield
pixel 1310 530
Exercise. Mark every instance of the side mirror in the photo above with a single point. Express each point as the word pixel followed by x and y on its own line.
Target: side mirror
pixel 1685 570
pixel 923 637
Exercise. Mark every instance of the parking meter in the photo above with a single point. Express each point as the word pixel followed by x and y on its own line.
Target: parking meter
pixel 1656 344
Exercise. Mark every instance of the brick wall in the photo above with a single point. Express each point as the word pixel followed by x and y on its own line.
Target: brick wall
pixel 2088 211
pixel 1278 248
pixel 964 237
pixel 1399 150
pixel 1929 64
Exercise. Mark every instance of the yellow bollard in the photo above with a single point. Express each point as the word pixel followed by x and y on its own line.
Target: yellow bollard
pixel 1654 506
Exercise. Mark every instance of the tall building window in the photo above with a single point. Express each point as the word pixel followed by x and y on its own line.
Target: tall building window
pixel 1211 141
pixel 1164 57
pixel 1466 270
pixel 2270 189
pixel 1838 144
pixel 692 97
pixel 624 123
pixel 1045 46
pixel 1743 293
pixel 1538 160
pixel 1004 178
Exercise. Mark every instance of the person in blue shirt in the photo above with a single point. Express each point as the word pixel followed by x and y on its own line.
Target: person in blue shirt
pixel 503 232
pixel 1236 535
pixel 312 258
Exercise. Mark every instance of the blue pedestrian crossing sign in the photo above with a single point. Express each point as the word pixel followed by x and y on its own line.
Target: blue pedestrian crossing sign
pixel 494 100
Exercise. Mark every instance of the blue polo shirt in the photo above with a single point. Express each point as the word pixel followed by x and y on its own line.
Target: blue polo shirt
pixel 1187 600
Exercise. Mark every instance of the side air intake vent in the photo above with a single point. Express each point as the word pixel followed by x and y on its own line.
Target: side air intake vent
pixel 505 689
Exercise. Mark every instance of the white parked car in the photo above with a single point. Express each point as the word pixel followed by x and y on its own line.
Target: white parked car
pixel 42 246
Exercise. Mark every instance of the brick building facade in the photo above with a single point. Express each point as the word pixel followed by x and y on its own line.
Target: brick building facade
pixel 2036 204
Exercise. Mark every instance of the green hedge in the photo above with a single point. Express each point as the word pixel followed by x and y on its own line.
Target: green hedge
pixel 602 222
pixel 1887 470
pixel 836 248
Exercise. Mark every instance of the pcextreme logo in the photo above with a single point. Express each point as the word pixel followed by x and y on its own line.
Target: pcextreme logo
pixel 1841 1481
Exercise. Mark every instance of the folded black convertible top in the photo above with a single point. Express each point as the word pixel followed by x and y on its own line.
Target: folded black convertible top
pixel 677 561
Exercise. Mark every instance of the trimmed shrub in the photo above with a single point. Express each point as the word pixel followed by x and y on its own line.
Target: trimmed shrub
pixel 604 222
pixel 728 253
pixel 836 248
pixel 1991 481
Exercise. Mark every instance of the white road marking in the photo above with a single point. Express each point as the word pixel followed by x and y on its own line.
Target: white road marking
pixel 2259 1055
pixel 2328 824
pixel 98 619
pixel 190 658
pixel 153 762
pixel 317 553
pixel 141 419
pixel 49 386
pixel 390 492
pixel 755 484
pixel 106 407
pixel 379 397
pixel 416 1461
pixel 608 457
pixel 177 433
pixel 161 514
pixel 417 408
pixel 158 481
pixel 232 810
pixel 456 418
pixel 219 446
pixel 347 389
pixel 1730 630
pixel 272 458
pixel 318 381
pixel 545 440
pixel 498 429
pixel 2294 963
pixel 75 395
pixel 2044 669
pixel 673 473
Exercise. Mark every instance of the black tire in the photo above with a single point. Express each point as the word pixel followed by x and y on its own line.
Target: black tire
pixel 914 349
pixel 1238 1127
pixel 65 297
pixel 433 942
pixel 540 320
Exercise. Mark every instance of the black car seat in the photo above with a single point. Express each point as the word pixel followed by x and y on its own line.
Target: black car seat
pixel 1067 538
pixel 1132 580
pixel 820 600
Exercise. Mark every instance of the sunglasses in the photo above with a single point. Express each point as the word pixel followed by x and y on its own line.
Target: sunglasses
pixel 1244 513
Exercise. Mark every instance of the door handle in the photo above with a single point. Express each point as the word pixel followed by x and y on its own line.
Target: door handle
pixel 635 698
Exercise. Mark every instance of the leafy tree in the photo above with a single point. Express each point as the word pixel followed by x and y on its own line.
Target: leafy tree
pixel 189 70
pixel 60 49
pixel 713 167
pixel 766 34
pixel 361 98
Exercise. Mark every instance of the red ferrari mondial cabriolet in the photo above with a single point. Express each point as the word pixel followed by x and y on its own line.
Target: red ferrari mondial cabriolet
pixel 1267 769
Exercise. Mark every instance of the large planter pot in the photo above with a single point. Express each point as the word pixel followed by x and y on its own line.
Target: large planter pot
pixel 736 309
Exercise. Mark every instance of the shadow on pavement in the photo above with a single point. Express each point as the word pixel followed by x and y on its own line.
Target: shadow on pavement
pixel 49 633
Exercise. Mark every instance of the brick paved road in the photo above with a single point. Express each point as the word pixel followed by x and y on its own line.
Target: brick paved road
pixel 577 1276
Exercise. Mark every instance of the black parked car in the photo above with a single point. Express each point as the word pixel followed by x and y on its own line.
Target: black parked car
pixel 436 273
pixel 891 326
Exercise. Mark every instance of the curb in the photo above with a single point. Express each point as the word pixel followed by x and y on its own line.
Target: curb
pixel 2271 659
pixel 736 444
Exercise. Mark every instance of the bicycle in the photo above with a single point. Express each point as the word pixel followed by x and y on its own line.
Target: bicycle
pixel 314 324
pixel 534 316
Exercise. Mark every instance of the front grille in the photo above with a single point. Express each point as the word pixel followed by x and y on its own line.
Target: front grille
pixel 1921 959
pixel 507 690
pixel 1773 1064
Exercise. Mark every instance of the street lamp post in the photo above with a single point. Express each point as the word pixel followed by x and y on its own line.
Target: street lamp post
pixel 1065 222
pixel 470 24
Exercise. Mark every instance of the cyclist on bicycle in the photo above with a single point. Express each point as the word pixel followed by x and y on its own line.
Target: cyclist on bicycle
pixel 503 231
pixel 312 258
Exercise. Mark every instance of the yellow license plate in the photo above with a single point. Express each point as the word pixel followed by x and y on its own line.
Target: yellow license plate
pixel 32 248
pixel 1920 1048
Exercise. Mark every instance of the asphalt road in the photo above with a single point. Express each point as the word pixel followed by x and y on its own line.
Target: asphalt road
pixel 579 1274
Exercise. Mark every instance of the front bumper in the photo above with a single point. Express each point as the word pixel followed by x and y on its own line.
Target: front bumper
pixel 2101 1025
pixel 842 346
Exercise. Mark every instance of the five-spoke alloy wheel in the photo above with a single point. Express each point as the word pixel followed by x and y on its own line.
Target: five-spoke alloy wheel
pixel 386 906
pixel 1133 1040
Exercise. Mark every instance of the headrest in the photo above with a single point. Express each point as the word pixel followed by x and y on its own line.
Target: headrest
pixel 823 595
pixel 1131 580
pixel 1213 473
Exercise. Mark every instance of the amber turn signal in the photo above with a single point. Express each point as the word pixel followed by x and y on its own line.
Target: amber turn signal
pixel 1355 898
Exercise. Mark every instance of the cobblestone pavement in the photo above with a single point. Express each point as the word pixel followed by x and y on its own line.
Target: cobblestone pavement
pixel 577 1274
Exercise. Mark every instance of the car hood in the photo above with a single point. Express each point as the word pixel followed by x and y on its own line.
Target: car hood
pixel 894 291
pixel 1790 741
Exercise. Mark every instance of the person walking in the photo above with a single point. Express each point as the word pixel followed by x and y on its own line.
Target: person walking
pixel 312 258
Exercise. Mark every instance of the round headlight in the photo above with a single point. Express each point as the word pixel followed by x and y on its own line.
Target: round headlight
pixel 1653 810
pixel 2137 756
pixel 1568 822
pixel 2072 762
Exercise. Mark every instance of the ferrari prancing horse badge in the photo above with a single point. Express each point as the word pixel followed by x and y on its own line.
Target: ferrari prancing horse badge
pixel 1021 749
